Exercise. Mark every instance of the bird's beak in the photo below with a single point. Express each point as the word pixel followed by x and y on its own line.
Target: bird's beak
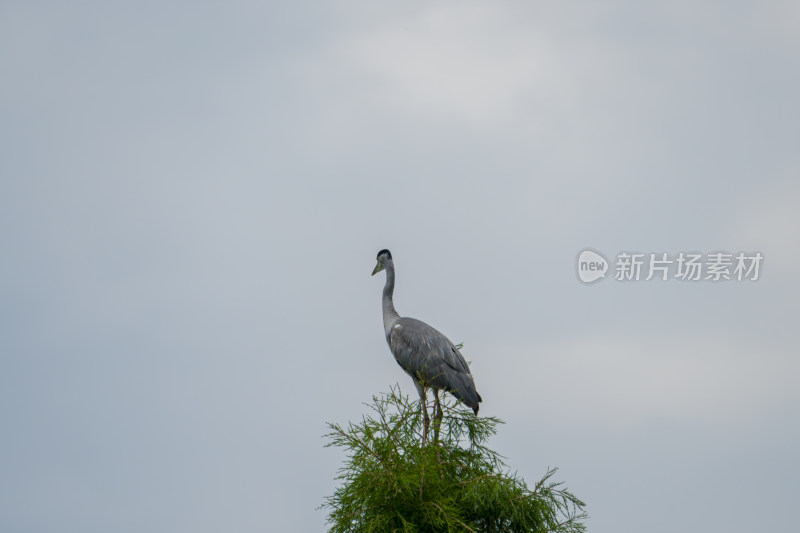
pixel 378 268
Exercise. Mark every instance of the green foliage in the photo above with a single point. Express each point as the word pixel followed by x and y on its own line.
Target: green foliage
pixel 392 481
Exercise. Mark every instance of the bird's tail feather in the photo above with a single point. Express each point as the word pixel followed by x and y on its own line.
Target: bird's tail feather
pixel 465 391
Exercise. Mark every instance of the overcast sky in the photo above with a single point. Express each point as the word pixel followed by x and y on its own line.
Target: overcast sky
pixel 192 196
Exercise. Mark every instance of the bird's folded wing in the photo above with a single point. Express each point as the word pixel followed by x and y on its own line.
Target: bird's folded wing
pixel 417 346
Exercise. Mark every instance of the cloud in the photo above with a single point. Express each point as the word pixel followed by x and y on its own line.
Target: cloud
pixel 768 221
pixel 464 60
pixel 624 379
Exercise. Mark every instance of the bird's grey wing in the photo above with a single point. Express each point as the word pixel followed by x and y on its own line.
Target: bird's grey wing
pixel 419 347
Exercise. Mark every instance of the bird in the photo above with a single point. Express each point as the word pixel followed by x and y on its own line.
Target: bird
pixel 424 353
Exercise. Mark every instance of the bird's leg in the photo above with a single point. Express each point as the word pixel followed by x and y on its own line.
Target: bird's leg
pixel 425 418
pixel 437 415
pixel 426 422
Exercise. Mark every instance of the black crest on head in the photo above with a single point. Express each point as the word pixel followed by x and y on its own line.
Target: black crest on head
pixel 384 251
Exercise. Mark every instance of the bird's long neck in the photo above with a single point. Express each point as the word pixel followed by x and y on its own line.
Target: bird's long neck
pixel 389 313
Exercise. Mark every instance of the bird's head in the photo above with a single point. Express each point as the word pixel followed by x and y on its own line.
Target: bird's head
pixel 384 256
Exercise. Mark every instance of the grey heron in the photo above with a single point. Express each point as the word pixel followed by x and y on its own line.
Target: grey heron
pixel 424 353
